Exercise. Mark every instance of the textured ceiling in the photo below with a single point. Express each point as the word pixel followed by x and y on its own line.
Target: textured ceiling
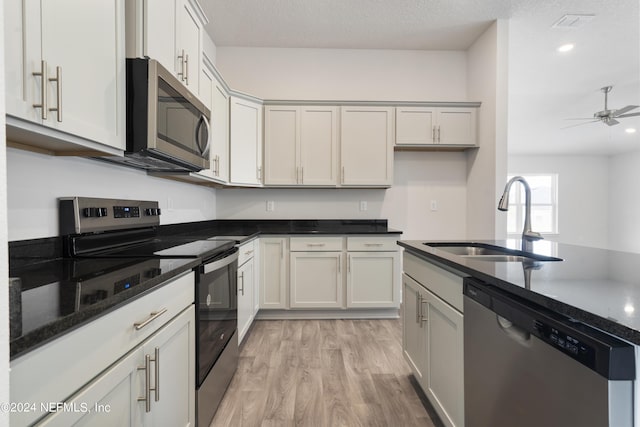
pixel 353 24
pixel 545 88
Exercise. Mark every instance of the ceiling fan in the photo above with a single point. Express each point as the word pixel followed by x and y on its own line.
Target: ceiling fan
pixel 608 116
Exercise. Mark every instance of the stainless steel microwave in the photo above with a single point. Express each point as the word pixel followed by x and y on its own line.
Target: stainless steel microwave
pixel 167 126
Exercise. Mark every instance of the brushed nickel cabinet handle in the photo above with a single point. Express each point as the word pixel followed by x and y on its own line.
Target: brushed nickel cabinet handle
pixel 43 89
pixel 433 134
pixel 439 136
pixel 242 280
pixel 58 80
pixel 181 58
pixel 297 175
pixel 315 244
pixel 147 383
pixel 152 316
pixel 423 318
pixel 302 175
pixel 248 252
pixel 156 360
pixel 418 298
pixel 259 173
pixel 373 244
pixel 186 72
pixel 342 180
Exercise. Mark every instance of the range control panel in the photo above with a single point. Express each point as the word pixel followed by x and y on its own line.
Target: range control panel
pixel 89 215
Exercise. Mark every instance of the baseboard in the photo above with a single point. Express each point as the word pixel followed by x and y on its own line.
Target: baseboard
pixel 380 313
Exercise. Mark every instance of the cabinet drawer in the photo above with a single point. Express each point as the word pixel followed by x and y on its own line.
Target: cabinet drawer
pixel 373 243
pixel 80 355
pixel 443 283
pixel 246 252
pixel 308 244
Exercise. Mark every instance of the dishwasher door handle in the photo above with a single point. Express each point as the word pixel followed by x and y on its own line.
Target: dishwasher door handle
pixel 514 332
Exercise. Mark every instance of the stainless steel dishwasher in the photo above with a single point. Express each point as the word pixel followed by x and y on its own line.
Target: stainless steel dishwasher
pixel 527 366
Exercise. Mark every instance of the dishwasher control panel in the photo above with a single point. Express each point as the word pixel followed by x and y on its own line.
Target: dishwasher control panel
pixel 564 341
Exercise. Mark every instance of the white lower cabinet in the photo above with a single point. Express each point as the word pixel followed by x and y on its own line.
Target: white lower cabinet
pixel 372 279
pixel 316 280
pixel 274 272
pixel 153 385
pixel 433 344
pixel 97 374
pixel 246 286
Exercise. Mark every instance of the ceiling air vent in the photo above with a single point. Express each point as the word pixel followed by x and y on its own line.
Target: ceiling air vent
pixel 572 21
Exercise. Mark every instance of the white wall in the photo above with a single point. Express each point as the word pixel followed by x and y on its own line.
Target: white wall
pixel 35 181
pixel 583 188
pixel 345 74
pixel 4 267
pixel 487 81
pixel 623 202
pixel 418 179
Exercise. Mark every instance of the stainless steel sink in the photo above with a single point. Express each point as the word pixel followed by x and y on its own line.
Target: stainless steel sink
pixel 486 252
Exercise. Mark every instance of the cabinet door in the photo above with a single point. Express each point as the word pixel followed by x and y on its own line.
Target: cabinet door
pixel 444 382
pixel 159 32
pixel 316 279
pixel 220 132
pixel 245 298
pixel 89 93
pixel 457 126
pixel 413 332
pixel 23 54
pixel 318 145
pixel 246 140
pixel 366 141
pixel 281 141
pixel 173 348
pixel 274 273
pixel 372 279
pixel 188 45
pixel 109 400
pixel 415 126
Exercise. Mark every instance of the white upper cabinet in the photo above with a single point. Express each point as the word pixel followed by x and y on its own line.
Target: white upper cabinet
pixel 301 145
pixel 50 79
pixel 366 141
pixel 439 126
pixel 171 32
pixel 245 142
pixel 215 97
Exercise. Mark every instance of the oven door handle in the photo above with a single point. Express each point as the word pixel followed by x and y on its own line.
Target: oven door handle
pixel 216 265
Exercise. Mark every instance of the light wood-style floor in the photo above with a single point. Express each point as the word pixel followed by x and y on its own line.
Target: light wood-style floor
pixel 322 373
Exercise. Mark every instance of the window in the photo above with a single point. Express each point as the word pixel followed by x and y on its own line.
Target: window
pixel 544 204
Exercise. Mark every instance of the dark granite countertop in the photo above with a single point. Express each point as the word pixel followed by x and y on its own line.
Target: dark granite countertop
pixel 51 295
pixel 595 286
pixel 51 298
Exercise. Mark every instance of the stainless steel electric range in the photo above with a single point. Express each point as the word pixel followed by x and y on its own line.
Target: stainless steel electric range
pixel 107 229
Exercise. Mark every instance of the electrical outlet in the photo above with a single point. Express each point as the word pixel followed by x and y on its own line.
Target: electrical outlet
pixel 271 206
pixel 434 205
pixel 363 205
pixel 169 203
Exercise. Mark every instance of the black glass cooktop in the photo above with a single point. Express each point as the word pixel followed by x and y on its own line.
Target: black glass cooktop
pixel 166 248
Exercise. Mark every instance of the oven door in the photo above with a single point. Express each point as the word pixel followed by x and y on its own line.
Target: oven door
pixel 216 310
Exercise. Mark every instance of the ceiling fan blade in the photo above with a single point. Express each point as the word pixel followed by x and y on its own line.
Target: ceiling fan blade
pixel 628 115
pixel 580 118
pixel 579 124
pixel 611 122
pixel 623 110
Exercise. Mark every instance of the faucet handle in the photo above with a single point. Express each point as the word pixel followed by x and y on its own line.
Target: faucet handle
pixel 532 235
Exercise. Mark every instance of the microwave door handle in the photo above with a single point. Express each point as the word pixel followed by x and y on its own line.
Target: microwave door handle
pixel 202 121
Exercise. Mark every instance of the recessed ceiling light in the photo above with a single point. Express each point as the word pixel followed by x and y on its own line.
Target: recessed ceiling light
pixel 566 47
pixel 630 130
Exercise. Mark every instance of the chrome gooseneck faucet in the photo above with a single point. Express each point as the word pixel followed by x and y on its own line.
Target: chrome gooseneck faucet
pixel 528 235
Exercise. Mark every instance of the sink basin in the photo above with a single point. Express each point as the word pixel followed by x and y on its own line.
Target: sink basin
pixel 486 252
